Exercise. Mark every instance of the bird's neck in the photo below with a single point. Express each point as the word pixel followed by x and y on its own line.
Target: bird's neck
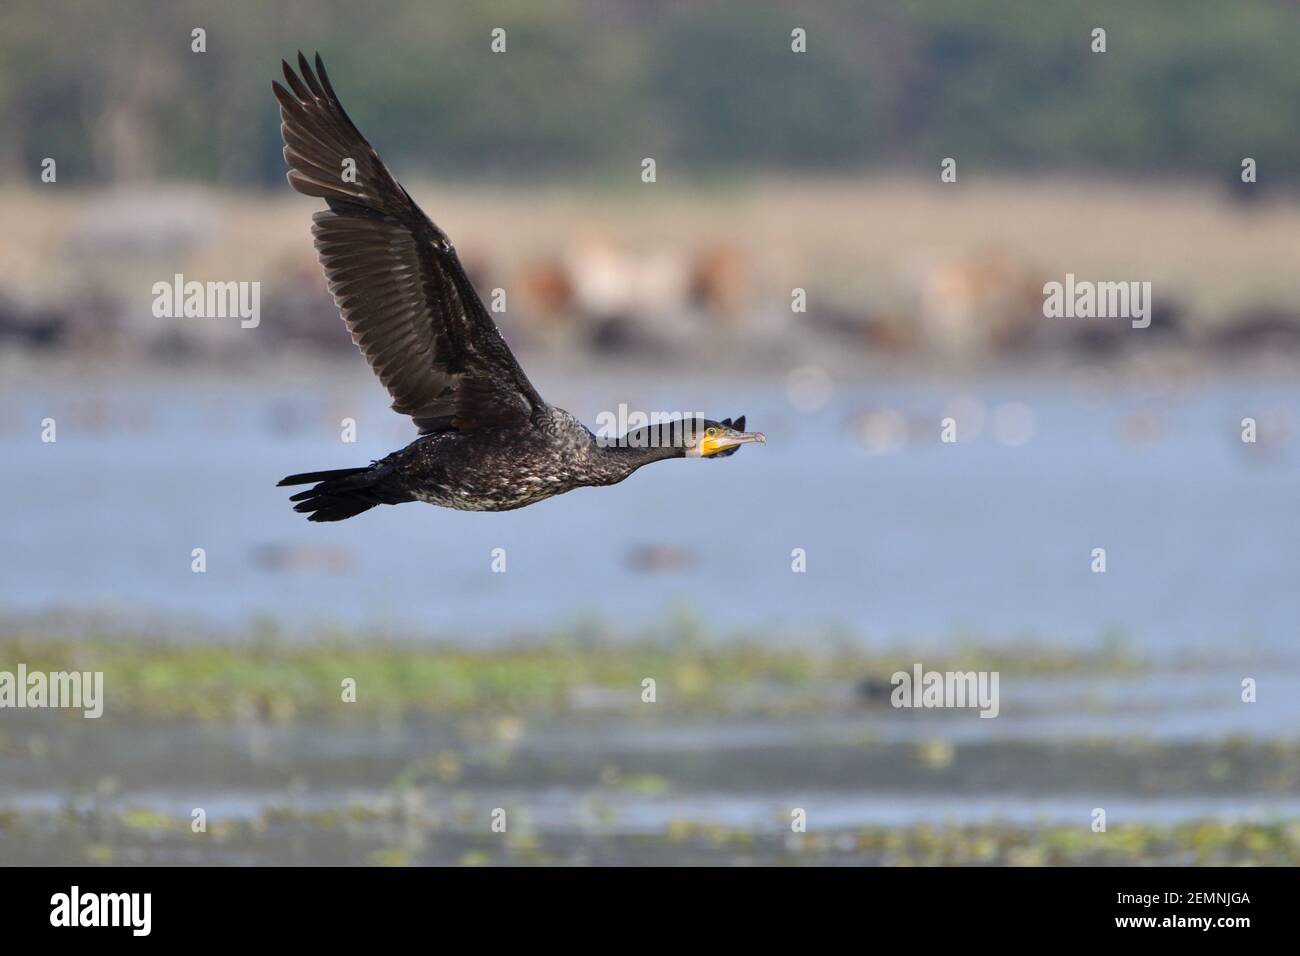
pixel 618 461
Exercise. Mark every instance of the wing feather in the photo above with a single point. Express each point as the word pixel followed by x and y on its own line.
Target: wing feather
pixel 394 275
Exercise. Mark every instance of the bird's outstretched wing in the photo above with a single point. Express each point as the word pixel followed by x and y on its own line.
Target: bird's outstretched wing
pixel 395 275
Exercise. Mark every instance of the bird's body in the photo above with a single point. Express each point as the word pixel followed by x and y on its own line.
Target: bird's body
pixel 503 468
pixel 488 442
pixel 499 469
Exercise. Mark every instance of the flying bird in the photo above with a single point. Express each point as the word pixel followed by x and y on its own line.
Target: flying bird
pixel 487 441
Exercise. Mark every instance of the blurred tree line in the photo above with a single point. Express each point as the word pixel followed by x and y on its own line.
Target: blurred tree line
pixel 113 91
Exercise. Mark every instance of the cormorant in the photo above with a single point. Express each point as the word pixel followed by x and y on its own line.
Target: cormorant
pixel 488 442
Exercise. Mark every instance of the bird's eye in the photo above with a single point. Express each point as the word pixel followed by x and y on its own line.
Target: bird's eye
pixel 710 432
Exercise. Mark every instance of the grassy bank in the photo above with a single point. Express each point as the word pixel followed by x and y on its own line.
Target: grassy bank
pixel 281 681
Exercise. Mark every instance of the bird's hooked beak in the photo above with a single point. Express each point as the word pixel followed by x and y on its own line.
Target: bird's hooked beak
pixel 729 437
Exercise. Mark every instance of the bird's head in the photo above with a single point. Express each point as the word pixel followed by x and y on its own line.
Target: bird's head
pixel 710 439
pixel 691 438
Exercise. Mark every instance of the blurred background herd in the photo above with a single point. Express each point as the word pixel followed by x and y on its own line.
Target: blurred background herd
pixel 781 178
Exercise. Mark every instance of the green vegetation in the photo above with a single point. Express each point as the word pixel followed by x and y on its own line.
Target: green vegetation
pixel 278 680
pixel 358 783
pixel 114 92
pixel 361 836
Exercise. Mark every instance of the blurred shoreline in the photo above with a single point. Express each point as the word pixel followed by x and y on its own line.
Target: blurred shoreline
pixel 884 269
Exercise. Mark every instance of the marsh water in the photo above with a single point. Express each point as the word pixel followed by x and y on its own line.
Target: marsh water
pixel 905 536
pixel 606 787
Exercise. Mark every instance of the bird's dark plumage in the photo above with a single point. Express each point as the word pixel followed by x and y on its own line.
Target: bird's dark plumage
pixel 395 275
pixel 488 440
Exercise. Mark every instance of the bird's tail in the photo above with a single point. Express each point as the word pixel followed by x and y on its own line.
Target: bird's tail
pixel 344 492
